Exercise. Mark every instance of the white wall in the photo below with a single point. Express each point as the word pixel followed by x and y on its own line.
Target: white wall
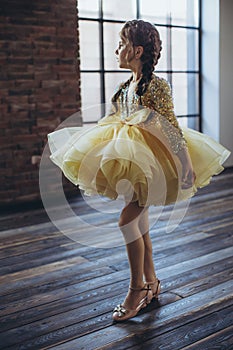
pixel 210 68
pixel 217 61
pixel 226 75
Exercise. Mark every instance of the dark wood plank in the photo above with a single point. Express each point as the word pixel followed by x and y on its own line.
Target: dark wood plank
pixel 220 340
pixel 100 286
pixel 170 315
pixel 59 294
pixel 205 327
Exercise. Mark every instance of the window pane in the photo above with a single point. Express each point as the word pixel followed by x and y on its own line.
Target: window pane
pixel 185 93
pixel 184 49
pixel 156 11
pixel 89 42
pixel 112 81
pixel 90 88
pixel 88 8
pixel 119 9
pixel 190 122
pixel 184 12
pixel 111 39
pixel 179 91
pixel 193 93
pixel 178 12
pixel 162 75
pixel 163 61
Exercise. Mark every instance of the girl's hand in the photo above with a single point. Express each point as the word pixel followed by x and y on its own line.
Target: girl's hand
pixel 188 178
pixel 188 175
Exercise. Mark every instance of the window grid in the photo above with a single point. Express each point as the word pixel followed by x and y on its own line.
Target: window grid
pixel 102 71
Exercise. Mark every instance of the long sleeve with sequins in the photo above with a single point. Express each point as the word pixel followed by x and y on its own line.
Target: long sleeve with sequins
pixel 159 98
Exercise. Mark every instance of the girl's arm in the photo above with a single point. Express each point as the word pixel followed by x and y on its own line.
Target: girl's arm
pixel 163 104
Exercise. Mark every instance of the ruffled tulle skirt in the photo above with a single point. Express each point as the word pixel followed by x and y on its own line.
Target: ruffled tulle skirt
pixel 116 159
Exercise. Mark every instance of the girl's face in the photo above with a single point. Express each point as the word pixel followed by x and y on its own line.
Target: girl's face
pixel 125 54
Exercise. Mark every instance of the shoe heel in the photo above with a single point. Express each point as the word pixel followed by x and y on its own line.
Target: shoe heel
pixel 156 294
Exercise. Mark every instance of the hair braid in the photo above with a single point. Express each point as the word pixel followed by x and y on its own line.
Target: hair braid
pixel 152 46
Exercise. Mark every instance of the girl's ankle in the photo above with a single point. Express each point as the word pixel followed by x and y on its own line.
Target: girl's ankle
pixel 150 279
pixel 136 286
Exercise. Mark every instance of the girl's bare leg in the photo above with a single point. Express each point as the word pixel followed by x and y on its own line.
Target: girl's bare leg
pixel 149 269
pixel 129 225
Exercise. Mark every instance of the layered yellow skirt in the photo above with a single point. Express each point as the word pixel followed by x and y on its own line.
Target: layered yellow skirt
pixel 116 158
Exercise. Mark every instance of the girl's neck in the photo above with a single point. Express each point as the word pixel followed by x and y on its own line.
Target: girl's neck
pixel 136 76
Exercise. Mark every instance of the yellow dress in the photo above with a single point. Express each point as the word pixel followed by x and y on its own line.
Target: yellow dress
pixel 133 151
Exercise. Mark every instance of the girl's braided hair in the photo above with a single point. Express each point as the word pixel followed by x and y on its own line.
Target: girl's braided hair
pixel 141 33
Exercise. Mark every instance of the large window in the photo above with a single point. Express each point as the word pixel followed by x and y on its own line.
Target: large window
pixel 178 22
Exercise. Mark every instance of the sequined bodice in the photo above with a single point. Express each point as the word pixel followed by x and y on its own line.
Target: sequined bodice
pixel 158 98
pixel 128 102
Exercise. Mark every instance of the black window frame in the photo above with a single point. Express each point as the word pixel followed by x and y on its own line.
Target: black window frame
pixel 102 71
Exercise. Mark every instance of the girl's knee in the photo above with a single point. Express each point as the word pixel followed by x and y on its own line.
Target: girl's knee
pixel 127 221
pixel 123 220
pixel 130 214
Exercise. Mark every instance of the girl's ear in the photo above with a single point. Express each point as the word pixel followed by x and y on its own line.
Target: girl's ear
pixel 138 52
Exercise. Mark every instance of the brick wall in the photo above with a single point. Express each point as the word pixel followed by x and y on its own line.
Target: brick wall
pixel 39 86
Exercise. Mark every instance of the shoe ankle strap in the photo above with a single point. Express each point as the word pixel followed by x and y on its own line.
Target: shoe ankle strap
pixel 145 287
pixel 151 283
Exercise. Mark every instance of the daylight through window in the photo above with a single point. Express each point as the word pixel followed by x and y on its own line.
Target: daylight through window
pixel 178 22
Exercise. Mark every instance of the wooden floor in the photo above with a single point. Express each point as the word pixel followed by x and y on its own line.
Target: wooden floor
pixel 58 294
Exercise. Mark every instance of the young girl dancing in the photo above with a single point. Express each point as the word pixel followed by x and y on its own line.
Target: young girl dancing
pixel 141 143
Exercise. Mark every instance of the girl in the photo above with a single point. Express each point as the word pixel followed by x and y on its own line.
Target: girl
pixel 141 142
